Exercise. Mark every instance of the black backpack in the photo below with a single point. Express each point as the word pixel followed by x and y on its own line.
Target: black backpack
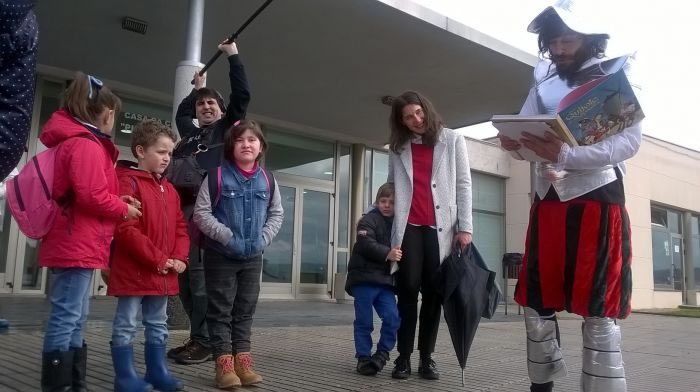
pixel 185 171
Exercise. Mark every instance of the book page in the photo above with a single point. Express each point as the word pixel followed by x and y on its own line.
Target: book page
pixel 515 129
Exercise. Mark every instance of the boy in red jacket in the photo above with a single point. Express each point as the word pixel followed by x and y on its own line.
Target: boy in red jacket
pixel 149 253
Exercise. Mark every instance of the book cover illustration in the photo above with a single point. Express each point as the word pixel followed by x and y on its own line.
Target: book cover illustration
pixel 600 108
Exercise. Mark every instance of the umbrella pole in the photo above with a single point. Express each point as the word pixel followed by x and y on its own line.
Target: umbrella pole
pixel 462 376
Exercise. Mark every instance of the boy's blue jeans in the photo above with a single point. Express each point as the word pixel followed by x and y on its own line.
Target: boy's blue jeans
pixel 153 310
pixel 382 299
pixel 69 297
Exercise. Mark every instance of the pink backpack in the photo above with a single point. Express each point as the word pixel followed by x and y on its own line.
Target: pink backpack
pixel 29 194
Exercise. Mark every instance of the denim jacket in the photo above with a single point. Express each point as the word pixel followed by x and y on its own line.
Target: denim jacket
pixel 245 219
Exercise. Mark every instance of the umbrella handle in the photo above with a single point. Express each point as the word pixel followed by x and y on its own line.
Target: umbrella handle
pixel 233 37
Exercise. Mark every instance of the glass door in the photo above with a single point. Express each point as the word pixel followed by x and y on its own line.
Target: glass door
pixel 298 262
pixel 278 259
pixel 677 260
pixel 7 261
pixel 315 265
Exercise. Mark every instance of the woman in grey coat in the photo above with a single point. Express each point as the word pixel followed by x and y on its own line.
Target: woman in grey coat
pixel 429 167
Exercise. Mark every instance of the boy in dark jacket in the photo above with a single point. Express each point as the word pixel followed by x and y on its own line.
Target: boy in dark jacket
pixel 371 283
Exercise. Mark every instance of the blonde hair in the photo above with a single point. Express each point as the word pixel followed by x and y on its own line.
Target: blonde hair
pixel 147 132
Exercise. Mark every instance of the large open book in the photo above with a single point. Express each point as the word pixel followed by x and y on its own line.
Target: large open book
pixel 602 106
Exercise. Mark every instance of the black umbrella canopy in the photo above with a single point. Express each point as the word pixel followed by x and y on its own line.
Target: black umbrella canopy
pixel 466 291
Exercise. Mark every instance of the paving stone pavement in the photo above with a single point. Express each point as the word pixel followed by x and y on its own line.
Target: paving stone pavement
pixel 308 346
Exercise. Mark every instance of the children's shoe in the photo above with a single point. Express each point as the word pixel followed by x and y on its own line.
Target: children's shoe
pixel 56 367
pixel 379 360
pixel 125 377
pixel 244 369
pixel 546 387
pixel 226 377
pixel 79 368
pixel 157 372
pixel 365 366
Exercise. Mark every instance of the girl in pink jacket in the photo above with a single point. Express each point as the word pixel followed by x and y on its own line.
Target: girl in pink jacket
pixel 85 183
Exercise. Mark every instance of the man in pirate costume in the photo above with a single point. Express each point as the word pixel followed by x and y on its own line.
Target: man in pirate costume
pixel 578 248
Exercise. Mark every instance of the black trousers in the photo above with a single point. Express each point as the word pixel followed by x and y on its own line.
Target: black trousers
pixel 419 271
pixel 193 295
pixel 233 286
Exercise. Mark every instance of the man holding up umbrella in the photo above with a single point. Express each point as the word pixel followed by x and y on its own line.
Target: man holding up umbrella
pixel 213 119
pixel 578 248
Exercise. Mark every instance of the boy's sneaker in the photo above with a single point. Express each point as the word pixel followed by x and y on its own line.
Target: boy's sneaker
pixel 379 360
pixel 193 352
pixel 365 366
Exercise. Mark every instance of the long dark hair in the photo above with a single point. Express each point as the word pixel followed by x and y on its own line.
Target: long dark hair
pixel 594 45
pixel 400 134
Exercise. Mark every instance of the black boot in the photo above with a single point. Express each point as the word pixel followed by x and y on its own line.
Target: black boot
pixel 428 369
pixel 546 387
pixel 79 368
pixel 56 368
pixel 365 366
pixel 379 360
pixel 402 368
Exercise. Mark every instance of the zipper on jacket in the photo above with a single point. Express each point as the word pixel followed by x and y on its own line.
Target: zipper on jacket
pixel 165 208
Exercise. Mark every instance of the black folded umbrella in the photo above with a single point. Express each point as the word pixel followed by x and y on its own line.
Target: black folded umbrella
pixel 469 292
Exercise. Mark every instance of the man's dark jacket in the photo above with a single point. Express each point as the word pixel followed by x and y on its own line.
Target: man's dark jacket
pixel 192 135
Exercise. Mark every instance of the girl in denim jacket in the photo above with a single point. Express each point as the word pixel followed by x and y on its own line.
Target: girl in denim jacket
pixel 238 223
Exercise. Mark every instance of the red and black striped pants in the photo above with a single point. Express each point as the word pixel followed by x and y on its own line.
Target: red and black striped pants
pixel 577 258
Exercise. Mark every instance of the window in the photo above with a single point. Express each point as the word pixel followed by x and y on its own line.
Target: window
pixel 133 112
pixel 376 172
pixel 667 249
pixel 695 239
pixel 488 208
pixel 300 156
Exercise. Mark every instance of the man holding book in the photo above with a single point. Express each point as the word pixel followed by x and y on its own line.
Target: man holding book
pixel 578 247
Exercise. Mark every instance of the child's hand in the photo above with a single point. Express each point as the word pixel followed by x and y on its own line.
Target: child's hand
pixel 394 255
pixel 133 212
pixel 131 200
pixel 179 266
pixel 168 265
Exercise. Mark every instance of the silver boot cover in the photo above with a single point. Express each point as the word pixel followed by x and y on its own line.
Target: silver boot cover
pixel 603 368
pixel 544 359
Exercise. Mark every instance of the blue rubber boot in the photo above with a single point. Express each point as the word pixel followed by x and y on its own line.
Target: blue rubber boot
pixel 157 372
pixel 125 377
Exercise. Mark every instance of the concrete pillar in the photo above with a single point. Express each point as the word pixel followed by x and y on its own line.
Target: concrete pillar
pixel 177 318
pixel 357 206
pixel 689 257
pixel 357 186
pixel 193 52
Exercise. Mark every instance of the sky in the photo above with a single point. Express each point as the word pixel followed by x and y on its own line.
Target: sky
pixel 662 33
